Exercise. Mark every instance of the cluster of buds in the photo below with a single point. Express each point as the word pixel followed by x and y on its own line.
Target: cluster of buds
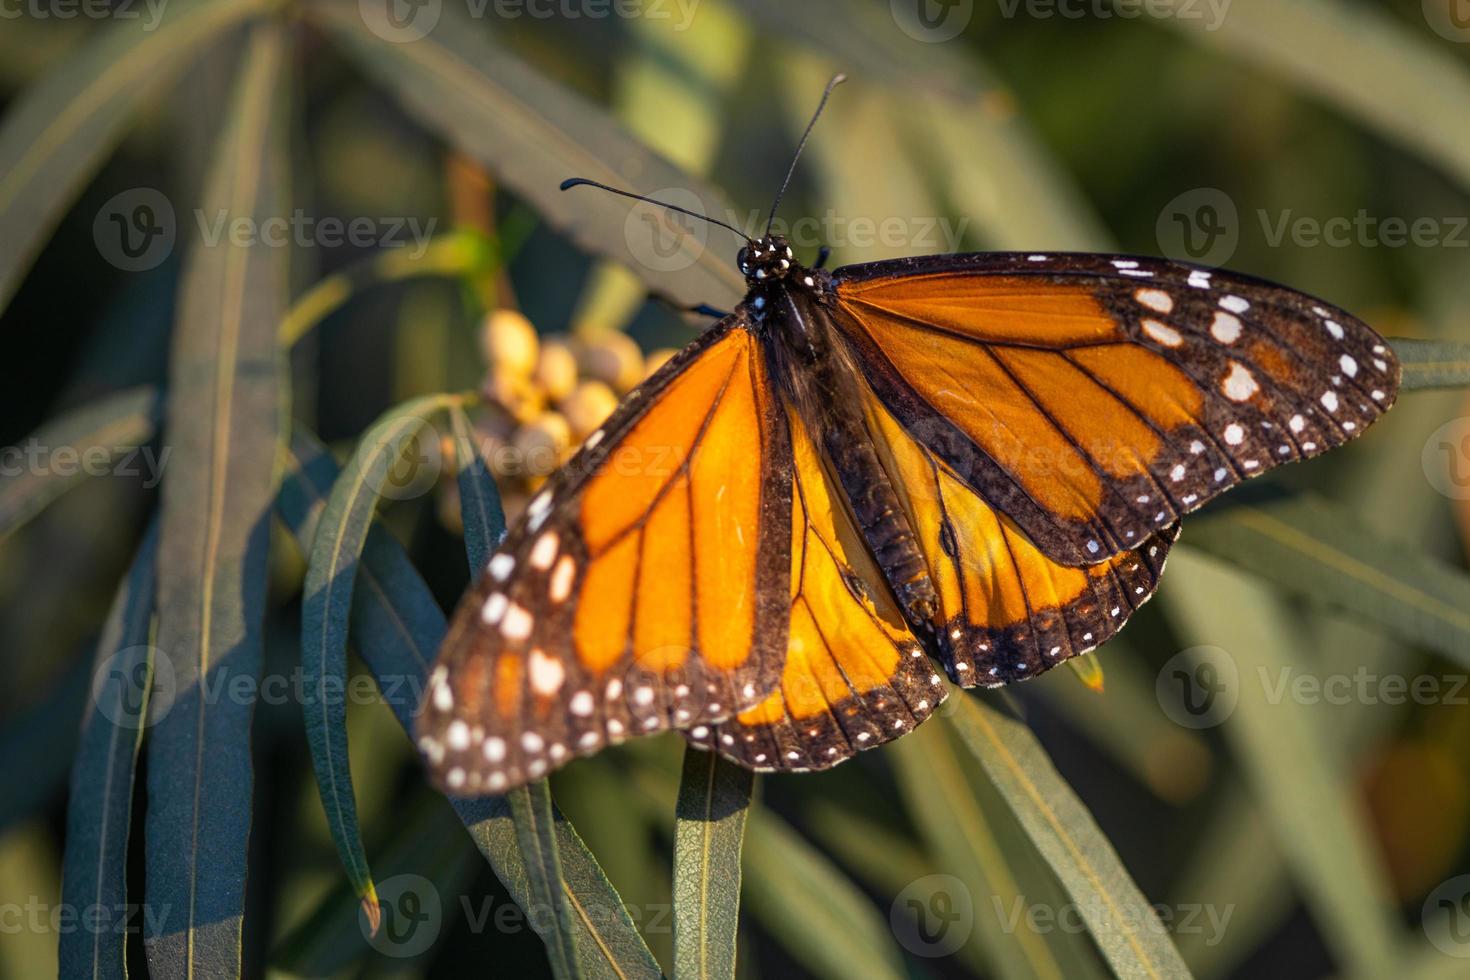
pixel 545 395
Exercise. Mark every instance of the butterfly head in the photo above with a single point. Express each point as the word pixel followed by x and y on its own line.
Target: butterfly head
pixel 766 260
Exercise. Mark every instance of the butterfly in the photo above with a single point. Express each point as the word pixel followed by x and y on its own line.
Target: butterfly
pixel 979 461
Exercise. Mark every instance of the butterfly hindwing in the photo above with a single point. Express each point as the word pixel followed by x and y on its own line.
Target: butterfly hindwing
pixel 645 588
pixel 855 676
pixel 1007 611
pixel 1095 399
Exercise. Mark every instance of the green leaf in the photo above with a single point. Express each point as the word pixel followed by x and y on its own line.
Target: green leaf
pixel 99 433
pixel 1433 363
pixel 100 808
pixel 397 626
pixel 535 826
pixel 427 847
pixel 1310 546
pixel 533 134
pixel 1315 817
pixel 60 130
pixel 817 914
pixel 966 842
pixel 990 165
pixel 1120 919
pixel 1401 84
pixel 455 255
pixel 479 500
pixel 709 828
pixel 223 421
pixel 326 610
pixel 531 807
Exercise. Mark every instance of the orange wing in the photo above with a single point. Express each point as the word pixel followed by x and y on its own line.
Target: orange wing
pixel 645 588
pixel 1094 400
pixel 1006 611
pixel 855 676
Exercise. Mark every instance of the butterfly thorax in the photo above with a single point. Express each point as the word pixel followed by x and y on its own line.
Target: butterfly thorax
pixel 820 382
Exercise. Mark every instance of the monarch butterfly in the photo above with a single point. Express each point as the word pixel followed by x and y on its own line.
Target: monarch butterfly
pixel 979 460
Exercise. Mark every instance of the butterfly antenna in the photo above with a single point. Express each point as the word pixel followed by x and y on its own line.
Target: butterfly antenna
pixel 580 181
pixel 837 80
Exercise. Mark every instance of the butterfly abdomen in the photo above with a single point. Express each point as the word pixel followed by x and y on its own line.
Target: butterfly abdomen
pixel 880 517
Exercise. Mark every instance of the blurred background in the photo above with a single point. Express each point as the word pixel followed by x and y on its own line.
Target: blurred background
pixel 1274 749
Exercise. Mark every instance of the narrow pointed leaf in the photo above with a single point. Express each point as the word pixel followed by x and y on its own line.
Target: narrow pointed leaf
pixel 1433 363
pixel 397 627
pixel 100 434
pixel 822 919
pixel 1120 919
pixel 966 843
pixel 479 500
pixel 709 831
pixel 222 422
pixel 60 130
pixel 1292 768
pixel 391 443
pixel 100 808
pixel 534 134
pixel 1405 84
pixel 1312 547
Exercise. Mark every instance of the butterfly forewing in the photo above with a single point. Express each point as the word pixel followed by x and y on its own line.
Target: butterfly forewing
pixel 854 675
pixel 1093 399
pixel 646 587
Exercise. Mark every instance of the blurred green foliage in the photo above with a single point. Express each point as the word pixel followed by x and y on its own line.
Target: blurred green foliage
pixel 1072 834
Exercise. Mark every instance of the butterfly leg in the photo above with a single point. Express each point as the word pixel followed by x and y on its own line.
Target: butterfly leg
pixel 823 254
pixel 704 309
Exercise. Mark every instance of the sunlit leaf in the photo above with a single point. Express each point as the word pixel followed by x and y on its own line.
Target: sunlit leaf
pixel 1433 363
pixel 1310 546
pixel 1401 84
pixel 1315 819
pixel 1121 921
pixel 222 422
pixel 533 134
pixel 709 828
pixel 966 844
pixel 819 916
